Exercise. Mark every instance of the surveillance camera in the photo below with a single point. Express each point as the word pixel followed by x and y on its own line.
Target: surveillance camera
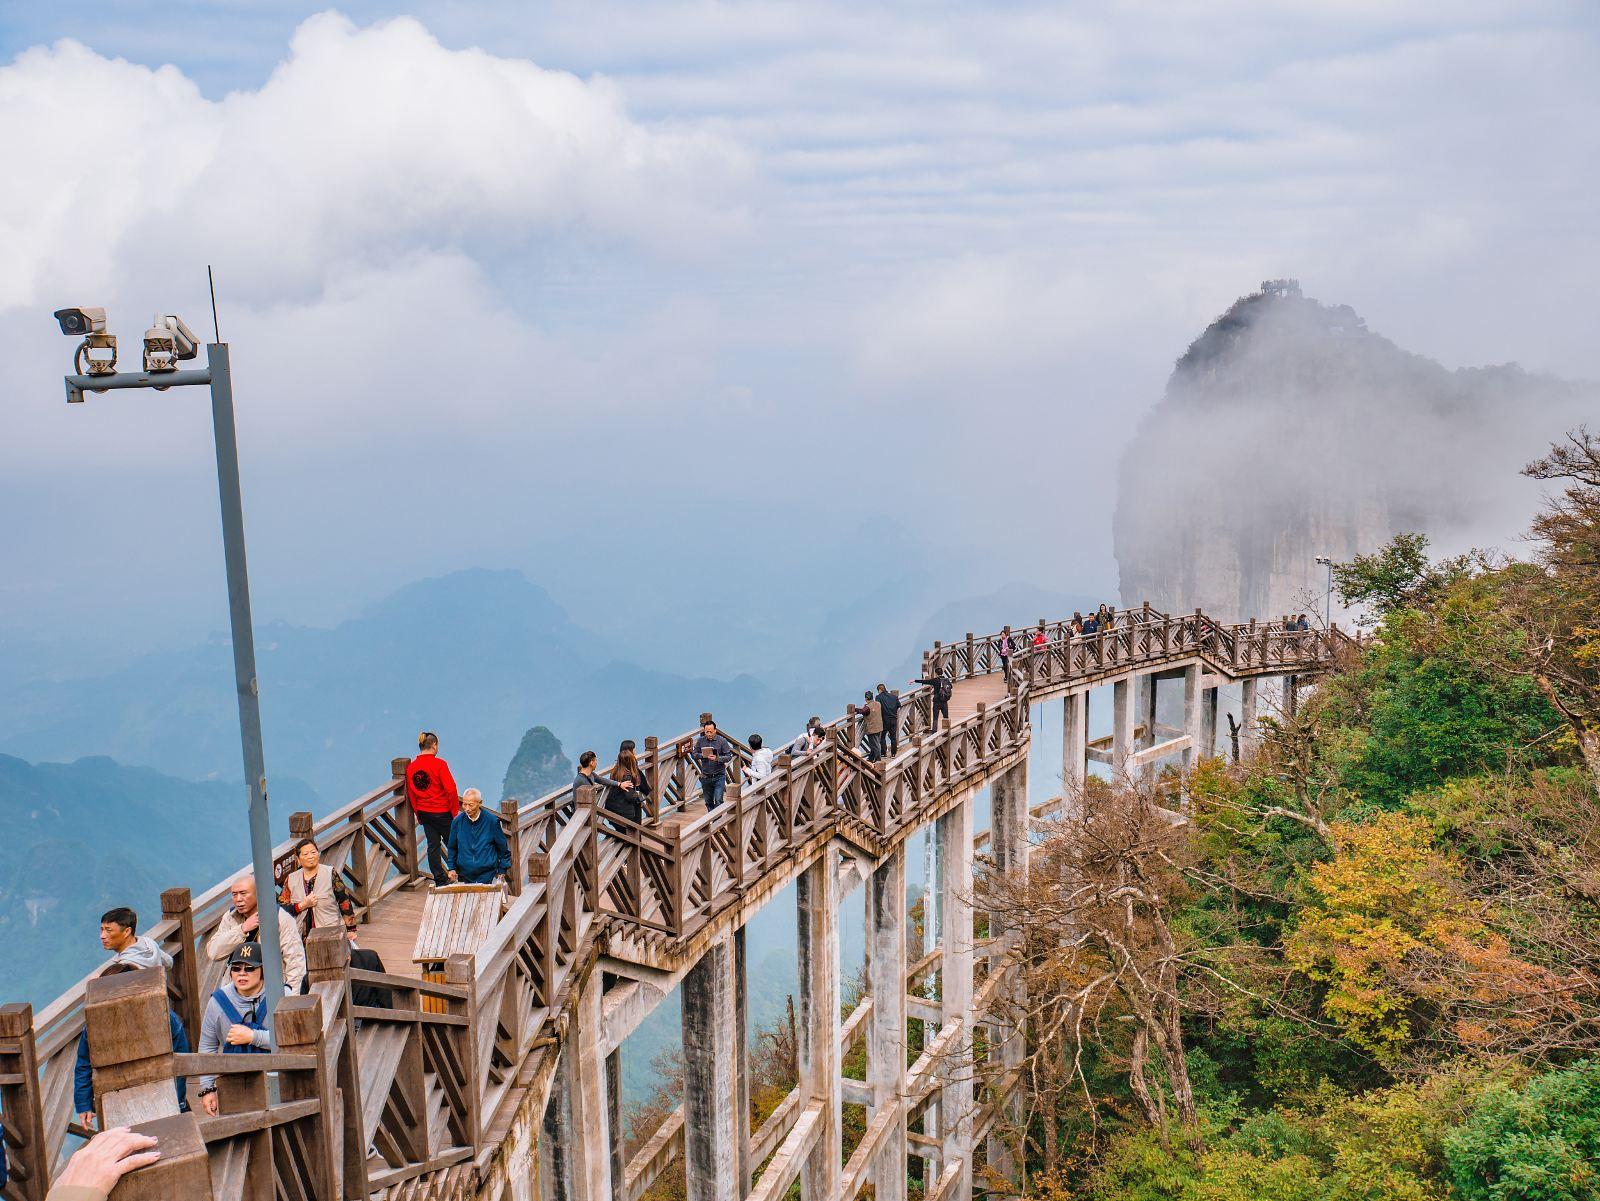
pixel 75 323
pixel 166 342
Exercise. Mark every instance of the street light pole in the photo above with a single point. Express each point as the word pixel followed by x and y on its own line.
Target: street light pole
pixel 220 379
pixel 1327 596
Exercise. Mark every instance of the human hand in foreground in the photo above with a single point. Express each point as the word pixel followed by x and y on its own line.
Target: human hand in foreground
pixel 108 1157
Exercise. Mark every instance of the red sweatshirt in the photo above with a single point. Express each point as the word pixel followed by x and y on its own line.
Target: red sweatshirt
pixel 429 786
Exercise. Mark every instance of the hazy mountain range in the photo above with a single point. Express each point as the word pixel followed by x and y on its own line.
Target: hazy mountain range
pixel 84 837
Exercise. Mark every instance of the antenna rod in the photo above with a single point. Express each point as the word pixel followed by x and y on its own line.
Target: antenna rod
pixel 212 280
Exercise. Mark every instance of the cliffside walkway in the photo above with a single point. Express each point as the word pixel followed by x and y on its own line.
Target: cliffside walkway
pixel 503 1079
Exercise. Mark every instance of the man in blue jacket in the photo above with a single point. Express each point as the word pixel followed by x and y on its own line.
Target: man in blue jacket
pixel 477 851
pixel 83 1071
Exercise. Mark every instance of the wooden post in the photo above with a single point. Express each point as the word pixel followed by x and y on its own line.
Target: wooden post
pixel 184 1169
pixel 588 801
pixel 461 970
pixel 297 1029
pixel 508 821
pixel 177 907
pixel 406 819
pixel 130 1046
pixel 733 794
pixel 653 764
pixel 328 964
pixel 22 1100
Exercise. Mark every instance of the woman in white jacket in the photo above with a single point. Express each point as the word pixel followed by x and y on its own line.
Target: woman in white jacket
pixel 760 765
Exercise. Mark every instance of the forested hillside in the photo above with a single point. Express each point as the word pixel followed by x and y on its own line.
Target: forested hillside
pixel 1368 964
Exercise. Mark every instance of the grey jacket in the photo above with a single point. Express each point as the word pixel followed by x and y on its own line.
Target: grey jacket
pixel 143 953
pixel 214 1026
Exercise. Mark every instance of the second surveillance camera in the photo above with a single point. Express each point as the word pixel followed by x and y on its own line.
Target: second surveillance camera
pixel 77 322
pixel 166 342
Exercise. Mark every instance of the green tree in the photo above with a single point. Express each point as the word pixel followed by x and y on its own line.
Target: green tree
pixel 1399 576
pixel 1538 1143
pixel 1432 699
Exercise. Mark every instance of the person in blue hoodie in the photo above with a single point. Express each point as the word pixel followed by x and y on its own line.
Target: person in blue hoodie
pixel 83 1071
pixel 477 851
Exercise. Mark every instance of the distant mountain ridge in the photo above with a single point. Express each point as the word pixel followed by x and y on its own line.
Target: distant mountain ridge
pixel 476 656
pixel 83 837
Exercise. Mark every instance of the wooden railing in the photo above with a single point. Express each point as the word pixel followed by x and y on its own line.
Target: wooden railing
pixel 582 875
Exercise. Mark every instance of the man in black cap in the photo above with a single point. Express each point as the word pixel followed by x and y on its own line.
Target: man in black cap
pixel 235 1020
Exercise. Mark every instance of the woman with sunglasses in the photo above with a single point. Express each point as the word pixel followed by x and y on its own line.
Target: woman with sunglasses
pixel 235 1022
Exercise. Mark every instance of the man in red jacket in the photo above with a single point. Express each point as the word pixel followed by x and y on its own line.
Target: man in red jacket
pixel 432 792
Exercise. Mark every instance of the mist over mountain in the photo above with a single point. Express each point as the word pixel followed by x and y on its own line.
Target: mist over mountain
pixel 477 656
pixel 1288 430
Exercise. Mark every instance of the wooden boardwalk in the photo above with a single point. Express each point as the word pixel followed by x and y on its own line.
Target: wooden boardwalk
pixel 456 1076
pixel 392 930
pixel 395 920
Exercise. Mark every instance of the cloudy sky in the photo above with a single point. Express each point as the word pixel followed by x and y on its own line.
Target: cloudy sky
pixel 699 303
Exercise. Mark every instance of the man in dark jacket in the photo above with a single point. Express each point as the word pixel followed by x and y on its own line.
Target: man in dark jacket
pixel 891 718
pixel 942 688
pixel 478 852
pixel 711 754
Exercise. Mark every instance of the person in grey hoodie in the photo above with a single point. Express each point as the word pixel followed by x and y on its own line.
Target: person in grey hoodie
pixel 235 1020
pixel 119 934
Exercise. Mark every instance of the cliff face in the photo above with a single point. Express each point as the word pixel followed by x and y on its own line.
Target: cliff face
pixel 1288 430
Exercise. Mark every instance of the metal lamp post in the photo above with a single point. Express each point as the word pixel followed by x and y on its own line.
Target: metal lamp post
pixel 1327 597
pixel 217 375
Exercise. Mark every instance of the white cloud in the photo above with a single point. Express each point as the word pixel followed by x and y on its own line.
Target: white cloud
pixel 363 144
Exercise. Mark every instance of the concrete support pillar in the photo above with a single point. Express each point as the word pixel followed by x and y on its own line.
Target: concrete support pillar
pixel 1191 714
pixel 1209 705
pixel 575 1150
pixel 1074 742
pixel 1248 736
pixel 590 1109
pixel 817 901
pixel 1146 690
pixel 955 987
pixel 713 1132
pixel 614 1126
pixel 1122 722
pixel 886 1041
pixel 1291 695
pixel 1006 1038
